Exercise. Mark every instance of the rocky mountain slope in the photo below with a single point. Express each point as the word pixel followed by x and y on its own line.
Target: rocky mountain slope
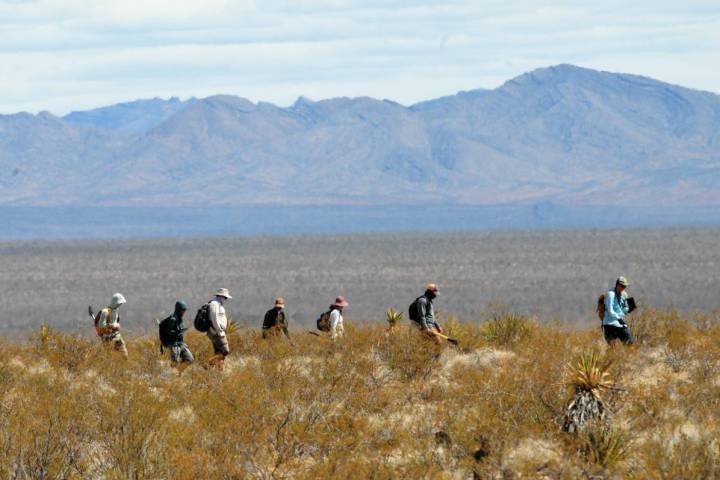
pixel 558 134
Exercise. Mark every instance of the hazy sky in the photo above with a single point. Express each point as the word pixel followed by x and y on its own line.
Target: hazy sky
pixel 61 55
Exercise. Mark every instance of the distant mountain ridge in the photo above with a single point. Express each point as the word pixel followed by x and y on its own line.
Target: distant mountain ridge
pixel 558 134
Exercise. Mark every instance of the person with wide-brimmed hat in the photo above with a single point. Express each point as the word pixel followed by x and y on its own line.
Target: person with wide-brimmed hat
pixel 217 333
pixel 337 328
pixel 275 320
pixel 422 312
pixel 617 308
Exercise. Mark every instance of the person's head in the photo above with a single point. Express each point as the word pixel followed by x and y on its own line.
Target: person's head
pixel 279 303
pixel 222 295
pixel 621 284
pixel 180 308
pixel 340 303
pixel 117 300
pixel 431 290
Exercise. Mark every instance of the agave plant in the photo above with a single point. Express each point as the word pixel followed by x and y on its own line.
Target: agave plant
pixel 393 317
pixel 589 377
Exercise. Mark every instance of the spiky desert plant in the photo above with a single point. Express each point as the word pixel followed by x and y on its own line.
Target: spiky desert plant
pixel 607 446
pixel 393 318
pixel 589 377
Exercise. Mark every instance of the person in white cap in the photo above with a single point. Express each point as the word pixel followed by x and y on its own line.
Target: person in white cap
pixel 107 324
pixel 616 308
pixel 217 333
pixel 336 319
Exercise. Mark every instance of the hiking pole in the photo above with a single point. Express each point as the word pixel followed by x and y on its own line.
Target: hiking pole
pixel 445 337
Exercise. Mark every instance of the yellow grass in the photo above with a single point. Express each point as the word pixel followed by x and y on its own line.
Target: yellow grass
pixel 369 406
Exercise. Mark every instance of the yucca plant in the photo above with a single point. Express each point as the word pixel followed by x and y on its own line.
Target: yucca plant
pixel 393 317
pixel 589 377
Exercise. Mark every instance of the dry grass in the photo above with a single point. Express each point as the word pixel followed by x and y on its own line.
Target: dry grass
pixel 374 405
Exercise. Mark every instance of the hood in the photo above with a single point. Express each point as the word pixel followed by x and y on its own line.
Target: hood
pixel 180 307
pixel 117 300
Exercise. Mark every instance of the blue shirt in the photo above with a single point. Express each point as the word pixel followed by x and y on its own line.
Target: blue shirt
pixel 615 309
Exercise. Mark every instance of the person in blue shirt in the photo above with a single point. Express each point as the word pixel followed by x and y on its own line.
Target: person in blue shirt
pixel 616 309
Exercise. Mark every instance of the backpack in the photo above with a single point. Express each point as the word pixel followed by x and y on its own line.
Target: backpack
pixel 103 330
pixel 600 309
pixel 202 318
pixel 323 321
pixel 414 311
pixel 165 331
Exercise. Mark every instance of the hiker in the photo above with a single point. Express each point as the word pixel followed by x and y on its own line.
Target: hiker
pixel 336 319
pixel 218 327
pixel 107 325
pixel 616 308
pixel 275 321
pixel 422 312
pixel 172 332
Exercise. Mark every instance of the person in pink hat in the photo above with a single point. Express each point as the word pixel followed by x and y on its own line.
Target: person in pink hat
pixel 336 318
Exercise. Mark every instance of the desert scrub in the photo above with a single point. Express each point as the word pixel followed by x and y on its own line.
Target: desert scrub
pixel 370 405
pixel 507 328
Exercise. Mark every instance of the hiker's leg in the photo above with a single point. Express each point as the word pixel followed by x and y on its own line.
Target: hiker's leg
pixel 119 345
pixel 186 355
pixel 626 336
pixel 610 333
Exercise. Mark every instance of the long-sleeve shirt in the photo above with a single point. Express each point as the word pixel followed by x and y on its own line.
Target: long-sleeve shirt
pixel 218 318
pixel 108 322
pixel 616 307
pixel 336 324
pixel 275 317
pixel 427 312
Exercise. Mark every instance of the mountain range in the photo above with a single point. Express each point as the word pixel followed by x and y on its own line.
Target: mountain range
pixel 563 134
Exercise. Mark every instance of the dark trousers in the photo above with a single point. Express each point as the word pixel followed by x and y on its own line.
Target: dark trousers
pixel 618 333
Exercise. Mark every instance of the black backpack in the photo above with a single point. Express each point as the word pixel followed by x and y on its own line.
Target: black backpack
pixel 414 311
pixel 165 331
pixel 323 321
pixel 202 319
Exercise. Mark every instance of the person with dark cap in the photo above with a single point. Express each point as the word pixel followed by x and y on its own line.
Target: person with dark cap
pixel 275 321
pixel 616 308
pixel 172 336
pixel 422 312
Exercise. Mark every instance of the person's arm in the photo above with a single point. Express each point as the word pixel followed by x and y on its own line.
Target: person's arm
pixel 334 318
pixel 104 321
pixel 423 311
pixel 213 314
pixel 283 322
pixel 614 313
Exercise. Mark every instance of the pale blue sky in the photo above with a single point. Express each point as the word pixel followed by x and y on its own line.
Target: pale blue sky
pixel 62 55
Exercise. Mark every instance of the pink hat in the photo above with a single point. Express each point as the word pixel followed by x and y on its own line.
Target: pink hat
pixel 340 302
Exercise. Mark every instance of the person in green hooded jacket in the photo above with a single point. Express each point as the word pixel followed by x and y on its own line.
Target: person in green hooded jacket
pixel 172 336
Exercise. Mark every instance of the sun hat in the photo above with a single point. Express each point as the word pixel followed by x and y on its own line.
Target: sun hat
pixel 623 281
pixel 431 287
pixel 223 292
pixel 340 302
pixel 280 302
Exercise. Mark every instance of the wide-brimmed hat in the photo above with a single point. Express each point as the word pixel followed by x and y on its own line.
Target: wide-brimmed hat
pixel 223 292
pixel 280 302
pixel 623 281
pixel 340 302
